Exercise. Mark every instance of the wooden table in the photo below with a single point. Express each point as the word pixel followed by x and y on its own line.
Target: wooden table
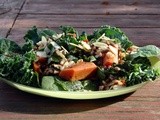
pixel 139 19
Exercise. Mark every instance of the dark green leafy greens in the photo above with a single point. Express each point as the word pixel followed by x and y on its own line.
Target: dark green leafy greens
pixel 35 34
pixel 113 33
pixel 70 36
pixel 8 47
pixel 16 65
pixel 146 51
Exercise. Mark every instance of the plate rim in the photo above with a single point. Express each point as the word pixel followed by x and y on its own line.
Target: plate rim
pixel 75 95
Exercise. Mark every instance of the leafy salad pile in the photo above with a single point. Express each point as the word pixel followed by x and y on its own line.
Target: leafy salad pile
pixel 45 53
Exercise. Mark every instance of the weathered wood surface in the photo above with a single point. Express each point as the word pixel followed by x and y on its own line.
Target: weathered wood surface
pixel 9 10
pixel 139 19
pixel 141 105
pixel 88 21
pixel 92 7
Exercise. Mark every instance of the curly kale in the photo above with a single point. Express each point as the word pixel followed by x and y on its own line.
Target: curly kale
pixel 112 33
pixel 16 64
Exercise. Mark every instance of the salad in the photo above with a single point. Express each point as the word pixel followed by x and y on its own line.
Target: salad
pixel 69 61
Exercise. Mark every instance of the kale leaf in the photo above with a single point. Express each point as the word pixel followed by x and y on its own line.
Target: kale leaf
pixel 36 34
pixel 16 63
pixel 113 33
pixel 57 84
pixel 146 51
pixel 8 47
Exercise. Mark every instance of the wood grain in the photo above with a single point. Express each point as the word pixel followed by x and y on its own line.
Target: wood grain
pixel 125 21
pixel 92 7
pixel 145 105
pixel 139 19
pixel 8 12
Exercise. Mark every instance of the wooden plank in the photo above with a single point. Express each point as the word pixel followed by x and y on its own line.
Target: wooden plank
pixel 8 12
pixel 91 1
pixel 139 36
pixel 6 22
pixel 144 36
pixel 92 7
pixel 130 106
pixel 10 6
pixel 28 20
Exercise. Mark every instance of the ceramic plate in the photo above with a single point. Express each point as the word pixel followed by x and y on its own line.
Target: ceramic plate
pixel 74 95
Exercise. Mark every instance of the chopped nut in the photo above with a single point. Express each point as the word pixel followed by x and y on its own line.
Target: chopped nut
pixel 64 50
pixel 59 53
pixel 80 60
pixel 58 66
pixel 62 61
pixel 86 46
pixel 42 44
pixel 117 68
pixel 132 49
pixel 55 71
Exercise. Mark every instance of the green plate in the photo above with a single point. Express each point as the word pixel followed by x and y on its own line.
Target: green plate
pixel 74 95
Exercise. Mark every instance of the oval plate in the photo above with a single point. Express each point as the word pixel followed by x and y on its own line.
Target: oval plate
pixel 74 95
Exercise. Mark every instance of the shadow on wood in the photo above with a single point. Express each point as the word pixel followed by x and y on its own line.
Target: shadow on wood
pixel 32 104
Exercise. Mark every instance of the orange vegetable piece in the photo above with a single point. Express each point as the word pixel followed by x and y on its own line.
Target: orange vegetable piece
pixel 109 59
pixel 111 56
pixel 36 67
pixel 79 71
pixel 37 64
